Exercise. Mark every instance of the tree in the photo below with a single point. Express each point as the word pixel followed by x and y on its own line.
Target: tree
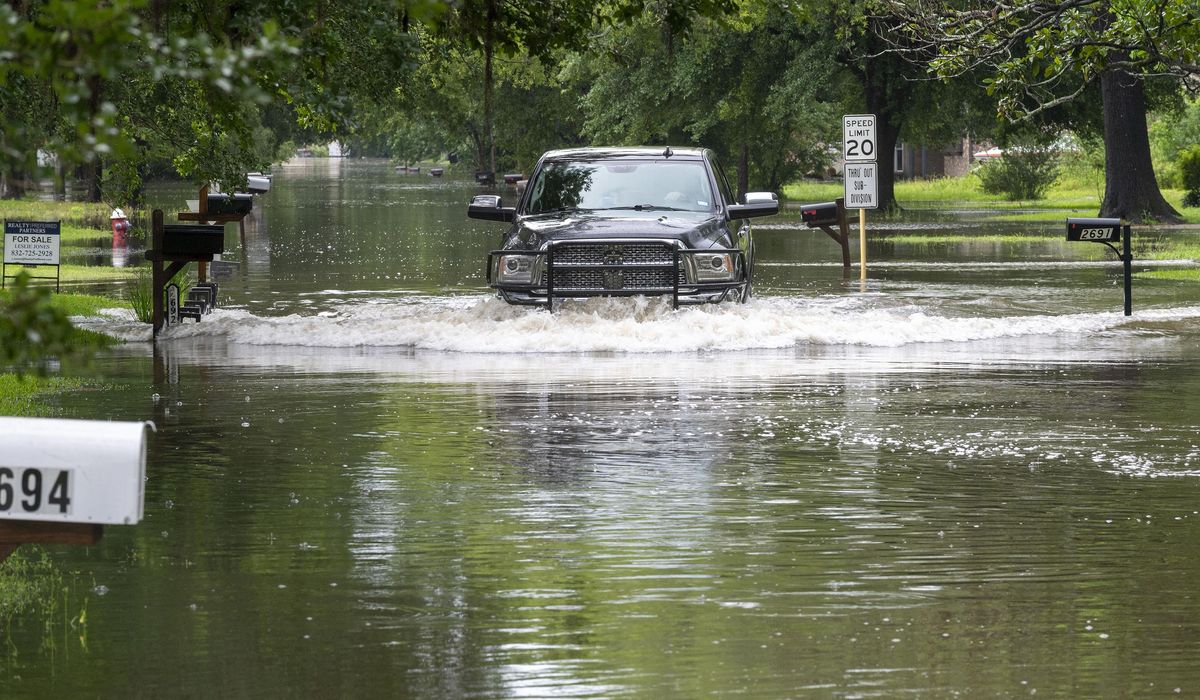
pixel 1040 54
pixel 115 87
pixel 79 56
pixel 752 86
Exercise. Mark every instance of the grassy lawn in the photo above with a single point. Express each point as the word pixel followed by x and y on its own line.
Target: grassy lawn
pixel 1074 193
pixel 25 395
pixel 79 215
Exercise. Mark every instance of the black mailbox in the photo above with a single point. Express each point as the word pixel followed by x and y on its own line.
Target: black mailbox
pixel 1098 230
pixel 485 177
pixel 190 241
pixel 823 214
pixel 225 204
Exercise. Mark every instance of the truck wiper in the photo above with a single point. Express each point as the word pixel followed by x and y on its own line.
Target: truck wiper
pixel 649 207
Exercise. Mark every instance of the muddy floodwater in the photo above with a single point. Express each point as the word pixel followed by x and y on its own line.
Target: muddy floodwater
pixel 972 476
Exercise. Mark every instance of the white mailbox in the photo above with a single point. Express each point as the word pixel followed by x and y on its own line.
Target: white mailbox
pixel 72 471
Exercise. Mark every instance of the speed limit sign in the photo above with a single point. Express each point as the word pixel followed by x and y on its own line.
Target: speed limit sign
pixel 858 137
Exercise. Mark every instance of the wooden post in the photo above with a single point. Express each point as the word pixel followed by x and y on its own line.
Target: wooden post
pixel 844 230
pixel 156 280
pixel 160 275
pixel 14 533
pixel 842 235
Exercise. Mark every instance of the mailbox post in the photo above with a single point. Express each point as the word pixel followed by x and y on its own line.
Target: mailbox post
pixel 61 480
pixel 825 215
pixel 1107 231
pixel 174 247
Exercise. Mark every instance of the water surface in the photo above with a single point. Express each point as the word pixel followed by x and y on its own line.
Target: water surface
pixel 971 476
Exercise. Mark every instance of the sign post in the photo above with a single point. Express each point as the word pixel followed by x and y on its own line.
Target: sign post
pixel 861 175
pixel 172 304
pixel 32 244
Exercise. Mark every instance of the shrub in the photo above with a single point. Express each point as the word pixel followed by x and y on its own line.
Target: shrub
pixel 1023 172
pixel 140 295
pixel 32 329
pixel 1189 171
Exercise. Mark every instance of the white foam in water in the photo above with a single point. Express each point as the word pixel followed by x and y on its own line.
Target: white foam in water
pixel 488 325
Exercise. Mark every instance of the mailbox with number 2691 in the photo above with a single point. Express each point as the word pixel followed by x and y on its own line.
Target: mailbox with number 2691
pixel 1107 231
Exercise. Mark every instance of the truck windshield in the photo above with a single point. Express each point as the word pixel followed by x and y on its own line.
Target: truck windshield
pixel 621 184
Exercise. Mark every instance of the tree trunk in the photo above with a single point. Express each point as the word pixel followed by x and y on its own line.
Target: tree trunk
pixel 489 109
pixel 1130 187
pixel 14 184
pixel 881 94
pixel 93 168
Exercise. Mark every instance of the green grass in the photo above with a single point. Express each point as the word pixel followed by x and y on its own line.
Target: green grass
pixel 29 581
pixel 1185 275
pixel 911 239
pixel 25 395
pixel 83 215
pixel 77 305
pixel 1076 191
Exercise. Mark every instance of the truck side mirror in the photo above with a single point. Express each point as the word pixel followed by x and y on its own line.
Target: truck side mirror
pixel 487 207
pixel 757 204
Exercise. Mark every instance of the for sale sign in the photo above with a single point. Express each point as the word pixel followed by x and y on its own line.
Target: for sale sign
pixel 31 242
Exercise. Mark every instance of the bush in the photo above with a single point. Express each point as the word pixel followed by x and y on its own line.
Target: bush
pixel 32 329
pixel 139 291
pixel 1023 172
pixel 1189 172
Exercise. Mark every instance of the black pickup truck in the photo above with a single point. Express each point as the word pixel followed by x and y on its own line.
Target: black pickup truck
pixel 624 222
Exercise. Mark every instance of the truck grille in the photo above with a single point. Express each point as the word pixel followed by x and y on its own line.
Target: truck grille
pixel 607 267
pixel 612 254
pixel 567 279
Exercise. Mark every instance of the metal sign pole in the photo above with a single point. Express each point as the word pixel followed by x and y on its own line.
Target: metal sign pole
pixel 1127 258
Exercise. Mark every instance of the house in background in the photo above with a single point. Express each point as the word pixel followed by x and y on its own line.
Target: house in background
pixel 920 161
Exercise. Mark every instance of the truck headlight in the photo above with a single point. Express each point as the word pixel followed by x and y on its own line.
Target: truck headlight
pixel 516 269
pixel 713 267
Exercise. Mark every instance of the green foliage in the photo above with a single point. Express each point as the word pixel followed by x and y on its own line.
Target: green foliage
pixel 1189 172
pixel 90 60
pixel 32 328
pixel 1172 132
pixel 756 86
pixel 1024 172
pixel 139 291
pixel 29 581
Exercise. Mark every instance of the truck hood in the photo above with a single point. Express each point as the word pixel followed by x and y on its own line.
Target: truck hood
pixel 693 229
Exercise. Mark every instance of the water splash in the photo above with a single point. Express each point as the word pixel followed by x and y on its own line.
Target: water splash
pixel 633 325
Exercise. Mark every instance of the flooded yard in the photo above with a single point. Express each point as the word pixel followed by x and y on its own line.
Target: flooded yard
pixel 971 476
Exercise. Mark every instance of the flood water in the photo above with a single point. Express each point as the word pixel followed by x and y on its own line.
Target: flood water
pixel 971 476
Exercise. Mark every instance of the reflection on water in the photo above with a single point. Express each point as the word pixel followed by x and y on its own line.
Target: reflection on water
pixel 372 480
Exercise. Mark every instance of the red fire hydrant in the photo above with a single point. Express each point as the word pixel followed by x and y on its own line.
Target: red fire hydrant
pixel 120 227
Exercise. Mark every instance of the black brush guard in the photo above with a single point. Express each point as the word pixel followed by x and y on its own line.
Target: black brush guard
pixel 677 257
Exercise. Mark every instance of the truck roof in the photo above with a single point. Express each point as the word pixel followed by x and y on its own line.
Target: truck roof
pixel 682 153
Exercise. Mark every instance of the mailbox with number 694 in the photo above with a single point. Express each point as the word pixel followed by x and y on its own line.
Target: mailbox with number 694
pixel 72 471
